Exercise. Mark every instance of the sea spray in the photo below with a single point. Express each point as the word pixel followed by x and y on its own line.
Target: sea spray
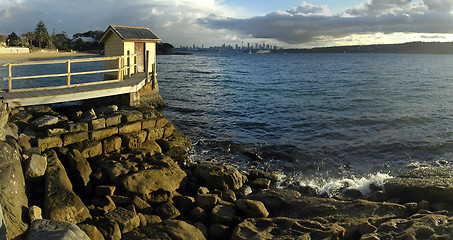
pixel 332 187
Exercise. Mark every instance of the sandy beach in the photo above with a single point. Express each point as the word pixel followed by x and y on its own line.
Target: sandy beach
pixel 41 55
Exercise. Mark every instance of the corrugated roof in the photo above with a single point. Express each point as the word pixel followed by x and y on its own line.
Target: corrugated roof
pixel 132 33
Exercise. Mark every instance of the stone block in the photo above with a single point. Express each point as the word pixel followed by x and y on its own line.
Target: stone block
pixel 103 133
pixel 44 121
pixel 90 149
pixel 56 131
pixel 131 115
pixel 96 124
pixel 149 123
pixel 77 127
pixel 155 134
pixel 113 120
pixel 126 220
pixel 111 144
pixel 134 140
pixel 130 127
pixel 35 166
pixel 162 122
pixel 49 142
pixel 75 137
pixel 48 229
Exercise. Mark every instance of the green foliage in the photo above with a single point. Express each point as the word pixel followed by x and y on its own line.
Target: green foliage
pixel 41 34
pixel 13 40
pixel 164 48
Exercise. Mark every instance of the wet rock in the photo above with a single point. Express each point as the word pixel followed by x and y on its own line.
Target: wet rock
pixel 12 193
pixel 48 229
pixel 60 202
pixel 429 184
pixel 35 166
pixel 219 176
pixel 287 203
pixel 260 183
pixel 286 228
pixel 251 208
pixel 171 229
pixel 418 226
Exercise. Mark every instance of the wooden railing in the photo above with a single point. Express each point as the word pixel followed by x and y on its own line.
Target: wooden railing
pixel 122 68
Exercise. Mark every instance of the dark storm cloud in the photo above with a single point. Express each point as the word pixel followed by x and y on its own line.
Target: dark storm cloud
pixel 385 16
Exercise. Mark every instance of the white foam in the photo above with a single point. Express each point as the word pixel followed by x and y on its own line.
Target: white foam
pixel 332 187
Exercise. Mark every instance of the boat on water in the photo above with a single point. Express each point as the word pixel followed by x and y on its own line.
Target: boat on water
pixel 263 52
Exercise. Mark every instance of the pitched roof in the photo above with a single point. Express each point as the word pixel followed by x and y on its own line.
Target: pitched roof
pixel 131 33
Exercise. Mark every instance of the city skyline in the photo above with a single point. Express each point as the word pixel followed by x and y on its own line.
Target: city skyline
pixel 286 23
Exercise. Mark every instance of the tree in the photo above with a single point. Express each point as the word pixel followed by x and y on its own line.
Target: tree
pixel 30 37
pixel 61 41
pixel 41 34
pixel 13 40
pixel 164 48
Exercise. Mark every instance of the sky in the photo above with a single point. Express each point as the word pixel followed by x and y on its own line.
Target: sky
pixel 285 23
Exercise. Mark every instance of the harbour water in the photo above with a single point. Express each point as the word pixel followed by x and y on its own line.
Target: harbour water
pixel 324 120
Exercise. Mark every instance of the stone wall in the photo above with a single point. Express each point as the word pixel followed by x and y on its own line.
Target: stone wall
pixel 14 50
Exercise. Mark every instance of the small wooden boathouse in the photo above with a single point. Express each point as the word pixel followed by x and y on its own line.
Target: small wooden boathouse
pixel 130 69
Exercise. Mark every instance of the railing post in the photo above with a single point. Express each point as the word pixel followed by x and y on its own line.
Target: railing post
pixel 69 72
pixel 120 77
pixel 147 66
pixel 10 78
pixel 154 76
pixel 129 64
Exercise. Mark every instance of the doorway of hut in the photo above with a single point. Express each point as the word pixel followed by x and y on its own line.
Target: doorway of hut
pixel 140 51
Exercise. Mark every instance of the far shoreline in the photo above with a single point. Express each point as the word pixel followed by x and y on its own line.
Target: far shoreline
pixel 42 55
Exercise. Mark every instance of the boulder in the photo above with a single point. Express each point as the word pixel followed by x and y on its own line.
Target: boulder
pixel 167 211
pixel 207 201
pixel 126 220
pixel 60 202
pixel 171 229
pixel 143 176
pixel 80 168
pixel 91 231
pixel 105 190
pixel 141 206
pixel 176 146
pixel 111 144
pixel 35 166
pixel 251 208
pixel 13 199
pixel 286 228
pixel 108 227
pixel 223 214
pixel 260 183
pixel 55 230
pixel 34 213
pixel 134 140
pixel 220 176
pixel 431 184
pixel 219 231
pixel 2 225
pixel 3 120
pixel 287 203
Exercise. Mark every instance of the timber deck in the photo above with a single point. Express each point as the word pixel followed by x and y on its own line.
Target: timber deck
pixel 73 92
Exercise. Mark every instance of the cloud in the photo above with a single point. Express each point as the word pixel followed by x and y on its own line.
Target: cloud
pixel 439 5
pixel 306 24
pixel 173 21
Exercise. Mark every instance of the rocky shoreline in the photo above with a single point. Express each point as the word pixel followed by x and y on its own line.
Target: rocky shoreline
pixel 122 173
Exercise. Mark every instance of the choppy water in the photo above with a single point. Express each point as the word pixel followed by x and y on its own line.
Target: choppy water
pixel 315 117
